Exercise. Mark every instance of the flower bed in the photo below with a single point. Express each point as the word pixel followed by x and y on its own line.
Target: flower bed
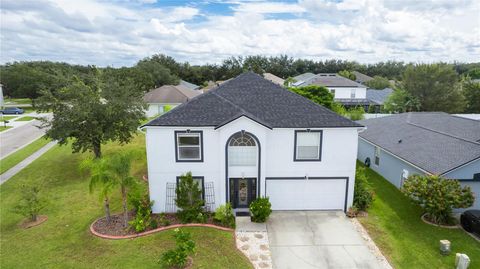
pixel 115 229
pixel 427 221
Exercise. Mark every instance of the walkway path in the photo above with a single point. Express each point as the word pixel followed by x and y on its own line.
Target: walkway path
pixel 17 168
pixel 252 240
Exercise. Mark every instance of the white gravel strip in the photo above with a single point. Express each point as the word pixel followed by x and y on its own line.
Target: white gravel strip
pixel 256 247
pixel 370 244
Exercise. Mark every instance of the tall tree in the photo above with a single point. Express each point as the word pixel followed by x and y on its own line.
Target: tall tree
pixel 401 101
pixel 91 115
pixel 471 91
pixel 435 86
pixel 378 83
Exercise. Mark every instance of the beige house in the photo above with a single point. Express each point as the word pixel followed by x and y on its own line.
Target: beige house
pixel 167 96
pixel 273 78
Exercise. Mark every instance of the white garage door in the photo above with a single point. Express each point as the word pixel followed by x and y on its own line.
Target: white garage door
pixel 311 194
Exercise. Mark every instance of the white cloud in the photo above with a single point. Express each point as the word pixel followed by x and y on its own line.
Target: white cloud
pixel 120 33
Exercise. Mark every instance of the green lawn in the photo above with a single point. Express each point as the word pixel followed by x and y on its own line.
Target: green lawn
pixel 25 118
pixel 23 101
pixel 19 155
pixel 394 224
pixel 64 241
pixel 4 128
pixel 8 117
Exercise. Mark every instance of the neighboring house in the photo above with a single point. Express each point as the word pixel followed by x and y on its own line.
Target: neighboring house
pixel 437 143
pixel 249 138
pixel 212 85
pixel 167 95
pixel 347 92
pixel 378 97
pixel 273 78
pixel 361 78
pixel 189 85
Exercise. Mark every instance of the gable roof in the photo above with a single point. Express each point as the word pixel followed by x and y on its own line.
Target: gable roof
pixel 361 78
pixel 170 94
pixel 188 85
pixel 330 80
pixel 434 141
pixel 252 96
pixel 303 77
pixel 379 96
pixel 273 78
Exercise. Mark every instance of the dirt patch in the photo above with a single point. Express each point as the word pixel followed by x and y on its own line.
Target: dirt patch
pixel 116 228
pixel 29 224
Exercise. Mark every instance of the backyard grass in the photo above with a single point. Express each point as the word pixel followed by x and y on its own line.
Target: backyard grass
pixel 394 224
pixel 16 101
pixel 64 240
pixel 19 155
pixel 26 118
pixel 4 128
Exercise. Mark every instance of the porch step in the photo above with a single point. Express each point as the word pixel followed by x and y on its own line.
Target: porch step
pixel 242 214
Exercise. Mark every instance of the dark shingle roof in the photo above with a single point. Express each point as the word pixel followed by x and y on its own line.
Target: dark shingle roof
pixel 257 98
pixel 330 80
pixel 379 96
pixel 434 141
pixel 361 78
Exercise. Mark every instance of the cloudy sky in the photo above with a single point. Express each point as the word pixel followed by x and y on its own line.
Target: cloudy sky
pixel 119 33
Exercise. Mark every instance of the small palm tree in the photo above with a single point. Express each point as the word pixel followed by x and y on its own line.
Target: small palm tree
pixel 110 172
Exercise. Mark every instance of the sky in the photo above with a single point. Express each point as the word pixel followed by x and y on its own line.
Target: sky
pixel 121 32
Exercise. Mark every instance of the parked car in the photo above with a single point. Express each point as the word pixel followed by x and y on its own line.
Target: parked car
pixel 470 221
pixel 12 110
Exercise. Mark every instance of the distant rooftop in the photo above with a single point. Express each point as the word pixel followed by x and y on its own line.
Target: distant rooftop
pixel 329 80
pixel 361 78
pixel 273 78
pixel 170 94
pixel 189 85
pixel 379 96
pixel 436 142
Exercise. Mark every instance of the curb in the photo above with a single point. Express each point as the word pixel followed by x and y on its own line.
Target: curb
pixel 130 236
pixel 456 226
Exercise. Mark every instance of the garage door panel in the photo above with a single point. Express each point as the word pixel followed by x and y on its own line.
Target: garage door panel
pixel 325 194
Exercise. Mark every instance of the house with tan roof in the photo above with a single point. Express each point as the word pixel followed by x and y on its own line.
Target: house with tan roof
pixel 167 96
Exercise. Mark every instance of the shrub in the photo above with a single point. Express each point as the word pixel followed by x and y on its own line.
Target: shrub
pixel 438 196
pixel 143 214
pixel 315 93
pixel 378 83
pixel 347 74
pixel 177 258
pixel 31 203
pixel 260 209
pixel 363 193
pixel 163 220
pixel 189 199
pixel 339 109
pixel 356 113
pixel 224 215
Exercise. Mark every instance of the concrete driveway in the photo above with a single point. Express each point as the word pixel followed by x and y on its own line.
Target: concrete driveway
pixel 316 239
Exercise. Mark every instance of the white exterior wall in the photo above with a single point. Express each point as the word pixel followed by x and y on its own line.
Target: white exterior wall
pixel 339 151
pixel 344 92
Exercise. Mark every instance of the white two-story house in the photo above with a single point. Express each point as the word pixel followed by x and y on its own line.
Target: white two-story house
pixel 249 138
pixel 345 91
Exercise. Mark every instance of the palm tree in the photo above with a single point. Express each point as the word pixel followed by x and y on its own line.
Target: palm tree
pixel 110 172
pixel 100 178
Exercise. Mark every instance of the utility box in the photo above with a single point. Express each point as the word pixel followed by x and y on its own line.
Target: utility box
pixel 462 261
pixel 445 247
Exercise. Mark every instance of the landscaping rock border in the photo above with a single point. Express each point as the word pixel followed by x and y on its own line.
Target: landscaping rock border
pixel 438 225
pixel 130 236
pixel 26 224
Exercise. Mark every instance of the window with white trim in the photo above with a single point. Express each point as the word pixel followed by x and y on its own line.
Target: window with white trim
pixel 189 146
pixel 200 180
pixel 352 93
pixel 377 155
pixel 308 145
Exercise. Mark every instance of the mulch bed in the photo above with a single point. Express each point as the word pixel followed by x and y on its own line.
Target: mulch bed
pixel 29 224
pixel 115 228
pixel 426 220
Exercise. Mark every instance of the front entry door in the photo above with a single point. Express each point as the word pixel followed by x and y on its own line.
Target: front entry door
pixel 242 191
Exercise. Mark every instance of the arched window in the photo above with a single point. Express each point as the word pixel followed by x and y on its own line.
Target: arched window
pixel 242 140
pixel 242 150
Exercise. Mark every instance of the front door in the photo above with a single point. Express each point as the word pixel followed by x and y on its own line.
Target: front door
pixel 242 191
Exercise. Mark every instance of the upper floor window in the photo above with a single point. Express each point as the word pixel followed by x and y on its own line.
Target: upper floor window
pixel 242 150
pixel 377 155
pixel 189 146
pixel 352 93
pixel 308 145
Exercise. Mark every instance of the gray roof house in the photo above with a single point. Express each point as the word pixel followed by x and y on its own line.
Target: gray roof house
pixel 347 92
pixel 379 96
pixel 434 143
pixel 189 85
pixel 361 78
